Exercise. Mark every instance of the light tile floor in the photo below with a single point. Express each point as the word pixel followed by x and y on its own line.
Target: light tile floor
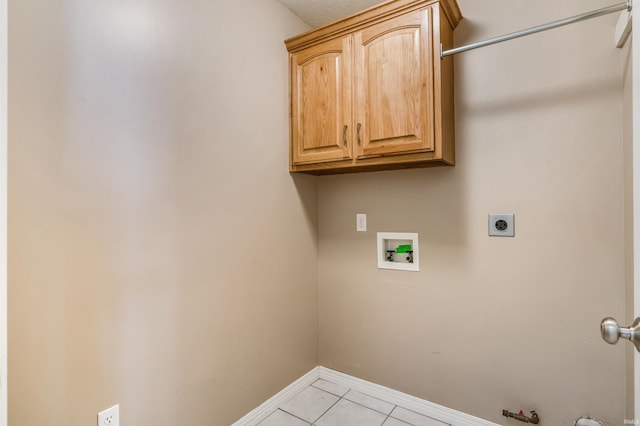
pixel 329 404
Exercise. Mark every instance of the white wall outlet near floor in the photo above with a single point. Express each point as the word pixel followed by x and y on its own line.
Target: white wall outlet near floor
pixel 361 222
pixel 110 416
pixel 501 225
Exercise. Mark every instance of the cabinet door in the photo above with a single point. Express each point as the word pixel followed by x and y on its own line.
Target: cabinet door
pixel 321 103
pixel 394 86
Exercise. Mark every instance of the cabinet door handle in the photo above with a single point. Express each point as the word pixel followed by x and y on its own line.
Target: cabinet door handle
pixel 358 131
pixel 344 135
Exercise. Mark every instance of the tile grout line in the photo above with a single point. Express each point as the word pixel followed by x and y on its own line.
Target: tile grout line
pixel 442 415
pixel 445 415
pixel 324 390
pixel 284 411
pixel 327 410
pixel 419 414
pixel 373 409
pixel 357 403
pixel 388 415
pixel 343 397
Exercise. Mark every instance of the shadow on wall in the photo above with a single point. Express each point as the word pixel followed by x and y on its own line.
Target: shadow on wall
pixel 526 101
pixel 535 77
pixel 397 201
pixel 307 189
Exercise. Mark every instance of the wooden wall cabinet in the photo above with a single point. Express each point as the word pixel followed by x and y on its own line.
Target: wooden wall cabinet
pixel 370 92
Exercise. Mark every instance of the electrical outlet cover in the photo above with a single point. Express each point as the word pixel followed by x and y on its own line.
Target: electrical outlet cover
pixel 501 225
pixel 110 416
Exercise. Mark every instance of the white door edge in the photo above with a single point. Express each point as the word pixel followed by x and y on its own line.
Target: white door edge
pixel 4 47
pixel 635 54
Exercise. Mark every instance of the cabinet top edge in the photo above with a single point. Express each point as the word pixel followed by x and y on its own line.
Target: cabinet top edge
pixel 391 7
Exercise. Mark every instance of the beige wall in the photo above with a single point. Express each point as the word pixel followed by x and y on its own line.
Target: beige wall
pixel 496 323
pixel 160 255
pixel 152 224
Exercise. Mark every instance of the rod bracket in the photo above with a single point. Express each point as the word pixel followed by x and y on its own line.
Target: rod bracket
pixel 629 5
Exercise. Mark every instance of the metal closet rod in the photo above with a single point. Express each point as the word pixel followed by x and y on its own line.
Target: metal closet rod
pixel 572 20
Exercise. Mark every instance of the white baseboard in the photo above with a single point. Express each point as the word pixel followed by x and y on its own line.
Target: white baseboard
pixel 270 405
pixel 421 406
pixel 439 412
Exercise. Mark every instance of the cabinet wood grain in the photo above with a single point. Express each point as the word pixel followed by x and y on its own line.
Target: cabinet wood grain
pixel 372 93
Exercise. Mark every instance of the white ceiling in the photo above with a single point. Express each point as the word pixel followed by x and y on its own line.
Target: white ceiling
pixel 320 12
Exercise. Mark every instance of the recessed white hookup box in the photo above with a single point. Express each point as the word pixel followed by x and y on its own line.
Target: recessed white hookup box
pixel 398 250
